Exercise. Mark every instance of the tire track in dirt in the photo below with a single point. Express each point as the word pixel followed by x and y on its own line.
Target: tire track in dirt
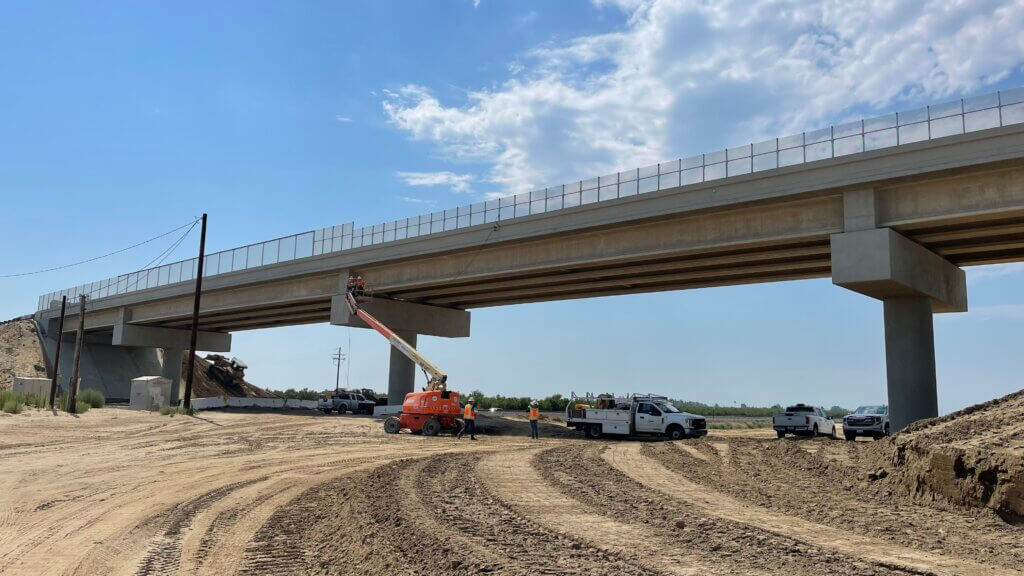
pixel 460 498
pixel 628 458
pixel 735 548
pixel 225 530
pixel 516 482
pixel 164 555
pixel 356 523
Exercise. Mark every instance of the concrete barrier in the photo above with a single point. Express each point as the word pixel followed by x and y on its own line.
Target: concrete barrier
pixel 387 410
pixel 32 386
pixel 245 402
pixel 207 403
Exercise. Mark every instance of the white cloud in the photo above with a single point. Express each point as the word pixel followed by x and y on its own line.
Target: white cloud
pixel 476 3
pixel 342 119
pixel 457 182
pixel 412 200
pixel 684 77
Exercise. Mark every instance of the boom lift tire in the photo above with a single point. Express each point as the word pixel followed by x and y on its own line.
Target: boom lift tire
pixel 392 425
pixel 431 427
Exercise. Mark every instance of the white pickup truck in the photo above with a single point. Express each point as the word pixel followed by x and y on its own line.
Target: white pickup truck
pixel 803 420
pixel 597 416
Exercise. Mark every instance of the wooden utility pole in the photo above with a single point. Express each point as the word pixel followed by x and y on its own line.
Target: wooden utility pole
pixel 56 359
pixel 79 338
pixel 338 359
pixel 195 318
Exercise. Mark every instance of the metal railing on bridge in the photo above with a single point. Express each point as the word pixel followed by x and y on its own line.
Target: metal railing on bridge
pixel 930 122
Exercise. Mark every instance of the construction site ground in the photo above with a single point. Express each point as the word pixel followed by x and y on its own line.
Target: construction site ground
pixel 120 492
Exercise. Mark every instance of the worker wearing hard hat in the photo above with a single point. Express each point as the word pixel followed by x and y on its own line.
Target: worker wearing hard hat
pixel 469 417
pixel 534 417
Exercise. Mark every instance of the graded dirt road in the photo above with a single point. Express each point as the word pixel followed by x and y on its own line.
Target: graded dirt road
pixel 121 492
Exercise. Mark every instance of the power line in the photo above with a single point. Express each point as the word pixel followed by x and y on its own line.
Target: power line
pixel 156 261
pixel 168 233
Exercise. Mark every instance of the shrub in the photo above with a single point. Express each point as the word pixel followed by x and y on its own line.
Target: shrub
pixel 13 406
pixel 38 401
pixel 93 397
pixel 81 406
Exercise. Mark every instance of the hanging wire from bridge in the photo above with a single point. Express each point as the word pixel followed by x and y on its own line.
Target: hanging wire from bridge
pixel 189 225
pixel 157 260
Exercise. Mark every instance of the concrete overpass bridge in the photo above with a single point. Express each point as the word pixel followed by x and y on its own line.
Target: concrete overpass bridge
pixel 890 207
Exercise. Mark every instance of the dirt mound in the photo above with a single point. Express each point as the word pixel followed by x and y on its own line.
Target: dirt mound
pixel 210 381
pixel 973 457
pixel 20 354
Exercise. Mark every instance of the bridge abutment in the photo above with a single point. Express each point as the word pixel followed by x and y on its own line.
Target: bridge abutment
pixel 913 283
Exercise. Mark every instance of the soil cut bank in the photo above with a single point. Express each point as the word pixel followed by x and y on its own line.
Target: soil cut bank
pixel 20 354
pixel 972 457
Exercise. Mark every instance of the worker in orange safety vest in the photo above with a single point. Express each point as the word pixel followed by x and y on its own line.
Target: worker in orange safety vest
pixel 469 417
pixel 534 417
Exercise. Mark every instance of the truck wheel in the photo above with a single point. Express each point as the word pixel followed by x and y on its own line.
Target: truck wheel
pixel 594 431
pixel 392 425
pixel 341 410
pixel 325 410
pixel 850 437
pixel 780 433
pixel 814 431
pixel 676 433
pixel 431 427
pixel 886 429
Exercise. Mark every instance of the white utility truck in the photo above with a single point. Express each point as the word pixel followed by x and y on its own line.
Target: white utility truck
pixel 637 415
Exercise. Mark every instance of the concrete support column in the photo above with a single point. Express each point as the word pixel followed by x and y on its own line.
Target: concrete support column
pixel 171 369
pixel 910 360
pixel 402 372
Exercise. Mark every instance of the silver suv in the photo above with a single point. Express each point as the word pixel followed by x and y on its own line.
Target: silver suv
pixel 867 421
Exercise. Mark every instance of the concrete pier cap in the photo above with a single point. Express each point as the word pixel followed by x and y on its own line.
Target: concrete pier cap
pixel 884 264
pixel 404 317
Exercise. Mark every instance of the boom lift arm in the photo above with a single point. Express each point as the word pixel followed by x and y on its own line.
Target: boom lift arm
pixel 436 379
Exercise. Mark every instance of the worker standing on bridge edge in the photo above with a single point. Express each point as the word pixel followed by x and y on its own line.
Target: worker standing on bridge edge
pixel 534 417
pixel 469 416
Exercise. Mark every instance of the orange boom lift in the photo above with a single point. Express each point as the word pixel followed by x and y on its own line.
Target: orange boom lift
pixel 431 411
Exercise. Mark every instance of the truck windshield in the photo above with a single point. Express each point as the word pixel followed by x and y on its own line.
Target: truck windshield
pixel 871 410
pixel 667 407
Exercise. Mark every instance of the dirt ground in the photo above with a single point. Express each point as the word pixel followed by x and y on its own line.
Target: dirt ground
pixel 120 492
pixel 20 354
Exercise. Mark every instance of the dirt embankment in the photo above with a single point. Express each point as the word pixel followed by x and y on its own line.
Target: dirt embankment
pixel 20 354
pixel 973 457
pixel 206 385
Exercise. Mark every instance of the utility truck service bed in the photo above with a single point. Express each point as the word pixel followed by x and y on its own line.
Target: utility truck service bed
pixel 637 415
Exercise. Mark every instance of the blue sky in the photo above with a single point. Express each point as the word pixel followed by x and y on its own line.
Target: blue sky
pixel 122 120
